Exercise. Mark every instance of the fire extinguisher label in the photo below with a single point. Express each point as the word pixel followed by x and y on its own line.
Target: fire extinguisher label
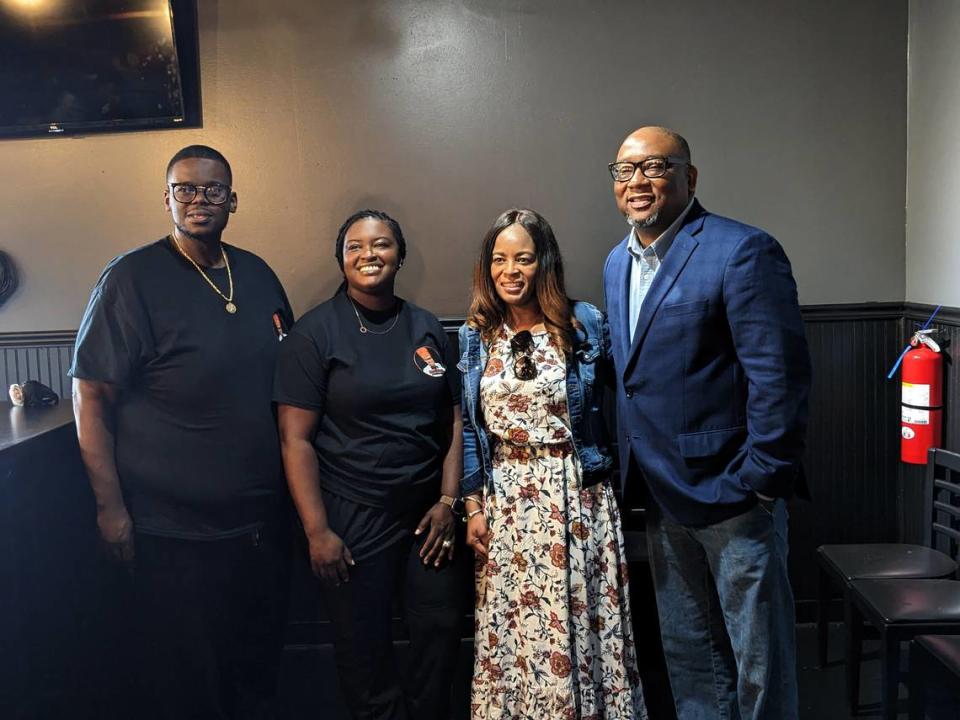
pixel 908 433
pixel 913 416
pixel 914 394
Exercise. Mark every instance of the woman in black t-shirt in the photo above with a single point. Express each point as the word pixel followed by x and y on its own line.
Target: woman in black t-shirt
pixel 371 435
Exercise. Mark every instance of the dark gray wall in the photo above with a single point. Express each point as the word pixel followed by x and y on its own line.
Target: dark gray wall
pixel 445 113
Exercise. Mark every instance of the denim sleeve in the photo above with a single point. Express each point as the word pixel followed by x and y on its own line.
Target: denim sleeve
pixel 472 481
pixel 598 331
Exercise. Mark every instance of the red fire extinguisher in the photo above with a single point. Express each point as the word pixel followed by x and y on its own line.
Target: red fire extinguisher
pixel 921 401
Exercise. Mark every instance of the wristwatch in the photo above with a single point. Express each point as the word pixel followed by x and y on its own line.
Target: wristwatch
pixel 454 503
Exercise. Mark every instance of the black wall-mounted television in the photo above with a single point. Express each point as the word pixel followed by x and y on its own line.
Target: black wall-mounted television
pixel 74 67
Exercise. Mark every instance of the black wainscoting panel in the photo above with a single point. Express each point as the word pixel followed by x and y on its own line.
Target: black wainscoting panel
pixel 43 356
pixel 853 437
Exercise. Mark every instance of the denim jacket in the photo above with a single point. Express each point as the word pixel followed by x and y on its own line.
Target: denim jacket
pixel 587 372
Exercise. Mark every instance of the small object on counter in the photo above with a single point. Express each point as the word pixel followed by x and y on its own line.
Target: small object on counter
pixel 33 394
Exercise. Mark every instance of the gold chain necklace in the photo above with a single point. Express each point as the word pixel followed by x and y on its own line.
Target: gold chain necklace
pixel 364 329
pixel 231 308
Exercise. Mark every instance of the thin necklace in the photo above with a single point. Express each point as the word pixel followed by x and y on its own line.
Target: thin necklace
pixel 364 329
pixel 535 323
pixel 231 308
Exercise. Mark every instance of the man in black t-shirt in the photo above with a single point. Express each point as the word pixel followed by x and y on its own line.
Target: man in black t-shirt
pixel 172 392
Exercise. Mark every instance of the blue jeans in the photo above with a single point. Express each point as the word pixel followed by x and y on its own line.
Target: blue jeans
pixel 727 615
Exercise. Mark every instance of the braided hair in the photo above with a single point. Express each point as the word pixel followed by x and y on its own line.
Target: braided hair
pixel 372 215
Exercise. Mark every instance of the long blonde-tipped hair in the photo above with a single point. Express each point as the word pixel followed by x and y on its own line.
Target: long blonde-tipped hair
pixel 488 312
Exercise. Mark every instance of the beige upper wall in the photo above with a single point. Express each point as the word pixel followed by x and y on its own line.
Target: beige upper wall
pixel 445 113
pixel 933 160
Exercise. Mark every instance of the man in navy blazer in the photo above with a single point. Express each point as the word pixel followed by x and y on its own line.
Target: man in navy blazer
pixel 713 376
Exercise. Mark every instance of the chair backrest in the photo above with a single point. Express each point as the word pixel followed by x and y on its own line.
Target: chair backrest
pixel 942 502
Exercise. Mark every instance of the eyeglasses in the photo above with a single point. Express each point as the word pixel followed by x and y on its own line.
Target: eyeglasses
pixel 521 345
pixel 215 194
pixel 651 167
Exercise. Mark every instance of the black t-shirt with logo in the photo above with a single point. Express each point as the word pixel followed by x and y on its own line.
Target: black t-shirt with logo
pixel 385 399
pixel 197 448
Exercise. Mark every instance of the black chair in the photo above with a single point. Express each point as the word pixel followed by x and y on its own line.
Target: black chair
pixel 906 608
pixel 839 565
pixel 935 663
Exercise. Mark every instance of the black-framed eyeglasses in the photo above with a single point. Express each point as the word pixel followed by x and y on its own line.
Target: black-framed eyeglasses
pixel 215 193
pixel 651 167
pixel 521 345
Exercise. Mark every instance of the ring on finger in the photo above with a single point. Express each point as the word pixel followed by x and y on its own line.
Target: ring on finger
pixel 446 543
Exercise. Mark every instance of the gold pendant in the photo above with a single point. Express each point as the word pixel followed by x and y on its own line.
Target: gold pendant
pixel 231 308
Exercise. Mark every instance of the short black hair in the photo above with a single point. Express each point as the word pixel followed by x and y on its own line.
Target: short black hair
pixel 372 215
pixel 204 152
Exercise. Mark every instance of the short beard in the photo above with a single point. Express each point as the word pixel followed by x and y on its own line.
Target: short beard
pixel 197 238
pixel 644 224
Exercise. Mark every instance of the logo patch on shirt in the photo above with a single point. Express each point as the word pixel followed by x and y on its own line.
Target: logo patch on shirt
pixel 428 360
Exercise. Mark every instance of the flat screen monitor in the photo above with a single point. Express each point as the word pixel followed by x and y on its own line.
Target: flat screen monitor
pixel 82 66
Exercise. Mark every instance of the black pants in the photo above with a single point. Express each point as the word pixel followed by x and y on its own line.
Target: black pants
pixel 210 617
pixel 433 602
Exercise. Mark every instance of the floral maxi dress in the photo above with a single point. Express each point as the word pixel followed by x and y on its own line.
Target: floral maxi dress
pixel 553 633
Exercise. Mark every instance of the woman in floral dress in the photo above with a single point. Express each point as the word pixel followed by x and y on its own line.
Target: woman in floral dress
pixel 553 629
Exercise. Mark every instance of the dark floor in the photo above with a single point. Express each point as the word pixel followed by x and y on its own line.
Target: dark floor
pixel 309 684
pixel 822 692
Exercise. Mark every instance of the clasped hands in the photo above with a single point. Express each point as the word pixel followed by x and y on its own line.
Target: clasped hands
pixel 330 558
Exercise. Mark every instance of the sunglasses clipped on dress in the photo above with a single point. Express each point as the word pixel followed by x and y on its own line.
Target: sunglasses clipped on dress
pixel 521 345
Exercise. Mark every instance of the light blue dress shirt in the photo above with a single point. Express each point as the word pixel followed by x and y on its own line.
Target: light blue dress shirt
pixel 646 262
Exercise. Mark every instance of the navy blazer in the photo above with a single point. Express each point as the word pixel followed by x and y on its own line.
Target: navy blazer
pixel 712 391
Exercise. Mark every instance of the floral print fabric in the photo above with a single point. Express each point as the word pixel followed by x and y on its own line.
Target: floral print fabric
pixel 553 632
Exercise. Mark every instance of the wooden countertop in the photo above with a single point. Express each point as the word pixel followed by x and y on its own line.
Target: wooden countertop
pixel 20 424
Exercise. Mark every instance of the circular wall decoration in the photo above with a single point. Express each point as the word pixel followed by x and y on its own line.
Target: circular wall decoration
pixel 9 280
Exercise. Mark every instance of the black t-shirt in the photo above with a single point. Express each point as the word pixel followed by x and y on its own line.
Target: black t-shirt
pixel 196 441
pixel 384 399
